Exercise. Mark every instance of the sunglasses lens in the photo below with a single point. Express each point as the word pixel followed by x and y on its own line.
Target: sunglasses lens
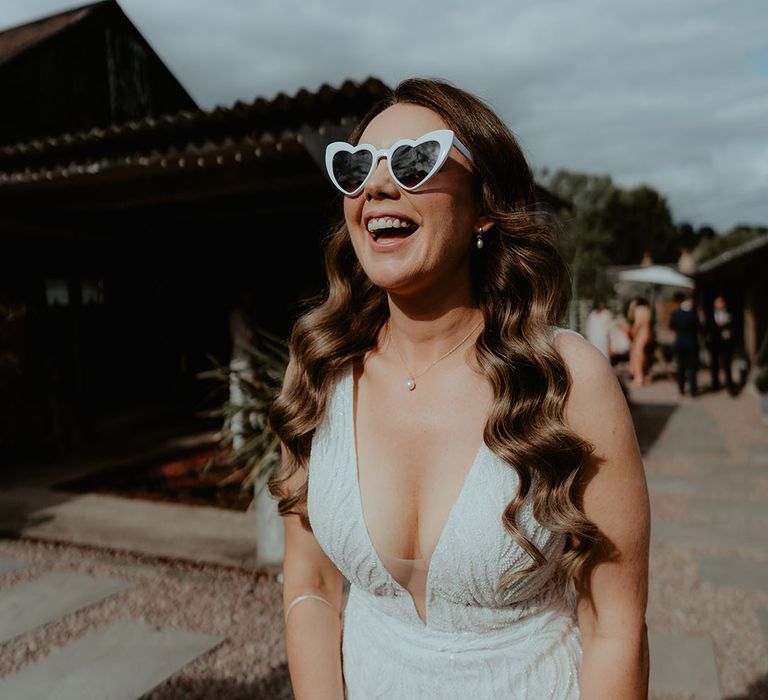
pixel 411 164
pixel 351 169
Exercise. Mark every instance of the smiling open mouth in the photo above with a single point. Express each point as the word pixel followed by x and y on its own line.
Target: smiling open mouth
pixel 390 227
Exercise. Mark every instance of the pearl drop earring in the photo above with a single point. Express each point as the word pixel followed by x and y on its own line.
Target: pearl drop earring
pixel 479 241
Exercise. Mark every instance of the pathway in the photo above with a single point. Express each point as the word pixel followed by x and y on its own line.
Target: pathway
pixel 707 468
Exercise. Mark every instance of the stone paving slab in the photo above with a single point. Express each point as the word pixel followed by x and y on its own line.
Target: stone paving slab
pixel 683 664
pixel 737 469
pixel 9 564
pixel 730 571
pixel 709 534
pixel 696 445
pixel 693 431
pixel 727 488
pixel 195 533
pixel 728 509
pixel 36 602
pixel 122 661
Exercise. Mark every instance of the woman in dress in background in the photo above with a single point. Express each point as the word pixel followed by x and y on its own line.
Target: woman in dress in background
pixel 515 569
pixel 642 338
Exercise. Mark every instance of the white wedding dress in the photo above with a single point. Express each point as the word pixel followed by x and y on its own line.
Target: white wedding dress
pixel 522 644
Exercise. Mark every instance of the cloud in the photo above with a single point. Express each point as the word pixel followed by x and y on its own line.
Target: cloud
pixel 667 94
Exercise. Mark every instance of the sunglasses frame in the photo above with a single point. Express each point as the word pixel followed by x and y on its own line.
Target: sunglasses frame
pixel 444 137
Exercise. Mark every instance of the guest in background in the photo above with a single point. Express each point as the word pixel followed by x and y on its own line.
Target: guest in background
pixel 598 327
pixel 720 344
pixel 642 339
pixel 685 323
pixel 619 340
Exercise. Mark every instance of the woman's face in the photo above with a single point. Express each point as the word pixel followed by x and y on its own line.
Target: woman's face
pixel 404 260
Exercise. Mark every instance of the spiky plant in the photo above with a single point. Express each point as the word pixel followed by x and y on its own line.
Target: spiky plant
pixel 248 446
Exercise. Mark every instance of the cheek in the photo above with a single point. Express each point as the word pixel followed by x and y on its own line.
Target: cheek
pixel 352 216
pixel 352 210
pixel 455 219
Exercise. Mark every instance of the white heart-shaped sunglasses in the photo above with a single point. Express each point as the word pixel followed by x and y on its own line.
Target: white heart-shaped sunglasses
pixel 410 163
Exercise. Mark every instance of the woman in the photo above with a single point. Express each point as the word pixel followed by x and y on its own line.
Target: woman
pixel 598 330
pixel 619 342
pixel 642 340
pixel 517 569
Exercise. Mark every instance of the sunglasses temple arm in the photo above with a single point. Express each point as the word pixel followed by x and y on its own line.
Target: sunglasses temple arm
pixel 463 150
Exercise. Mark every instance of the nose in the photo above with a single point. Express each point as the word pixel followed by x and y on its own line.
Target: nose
pixel 380 184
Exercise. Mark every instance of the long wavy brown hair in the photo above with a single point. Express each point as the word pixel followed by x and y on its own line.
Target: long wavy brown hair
pixel 521 284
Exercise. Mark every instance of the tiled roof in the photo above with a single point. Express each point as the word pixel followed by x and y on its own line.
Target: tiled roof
pixel 259 129
pixel 733 254
pixel 16 40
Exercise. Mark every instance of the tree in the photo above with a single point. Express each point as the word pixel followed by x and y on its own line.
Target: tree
pixel 585 192
pixel 689 237
pixel 639 220
pixel 583 241
pixel 621 224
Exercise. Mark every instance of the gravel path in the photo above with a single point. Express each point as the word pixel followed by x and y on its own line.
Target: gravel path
pixel 243 608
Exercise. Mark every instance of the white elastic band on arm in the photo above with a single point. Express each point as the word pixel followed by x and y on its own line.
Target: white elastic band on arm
pixel 298 599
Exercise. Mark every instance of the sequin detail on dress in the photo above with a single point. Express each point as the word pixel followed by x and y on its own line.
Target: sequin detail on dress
pixel 520 644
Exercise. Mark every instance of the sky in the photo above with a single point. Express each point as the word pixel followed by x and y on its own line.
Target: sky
pixel 671 94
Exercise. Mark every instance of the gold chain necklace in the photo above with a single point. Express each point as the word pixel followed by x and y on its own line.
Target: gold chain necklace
pixel 410 383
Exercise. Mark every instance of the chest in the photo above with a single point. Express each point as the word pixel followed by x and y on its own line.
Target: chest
pixel 414 451
pixel 469 556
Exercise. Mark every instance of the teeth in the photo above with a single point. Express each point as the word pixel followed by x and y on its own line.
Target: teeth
pixel 387 222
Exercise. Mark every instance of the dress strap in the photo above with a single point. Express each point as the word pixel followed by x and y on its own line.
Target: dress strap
pixel 556 330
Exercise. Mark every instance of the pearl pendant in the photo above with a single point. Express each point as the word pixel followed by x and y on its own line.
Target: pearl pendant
pixel 410 384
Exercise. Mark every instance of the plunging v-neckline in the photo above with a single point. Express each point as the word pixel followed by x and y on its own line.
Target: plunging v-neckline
pixel 352 432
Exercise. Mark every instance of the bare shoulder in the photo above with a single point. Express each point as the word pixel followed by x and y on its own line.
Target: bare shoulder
pixel 613 477
pixel 597 408
pixel 590 371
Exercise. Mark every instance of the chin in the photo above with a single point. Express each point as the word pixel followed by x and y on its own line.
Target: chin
pixel 390 277
pixel 390 282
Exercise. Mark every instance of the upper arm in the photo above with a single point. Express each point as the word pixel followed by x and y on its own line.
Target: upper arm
pixel 613 586
pixel 306 567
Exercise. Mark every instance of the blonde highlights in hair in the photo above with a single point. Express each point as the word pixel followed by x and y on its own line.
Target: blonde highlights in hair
pixel 521 285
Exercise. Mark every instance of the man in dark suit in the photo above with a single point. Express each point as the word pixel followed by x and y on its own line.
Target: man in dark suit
pixel 685 323
pixel 720 344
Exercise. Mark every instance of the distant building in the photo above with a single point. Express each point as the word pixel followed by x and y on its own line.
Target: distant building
pixel 84 68
pixel 131 220
pixel 739 275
